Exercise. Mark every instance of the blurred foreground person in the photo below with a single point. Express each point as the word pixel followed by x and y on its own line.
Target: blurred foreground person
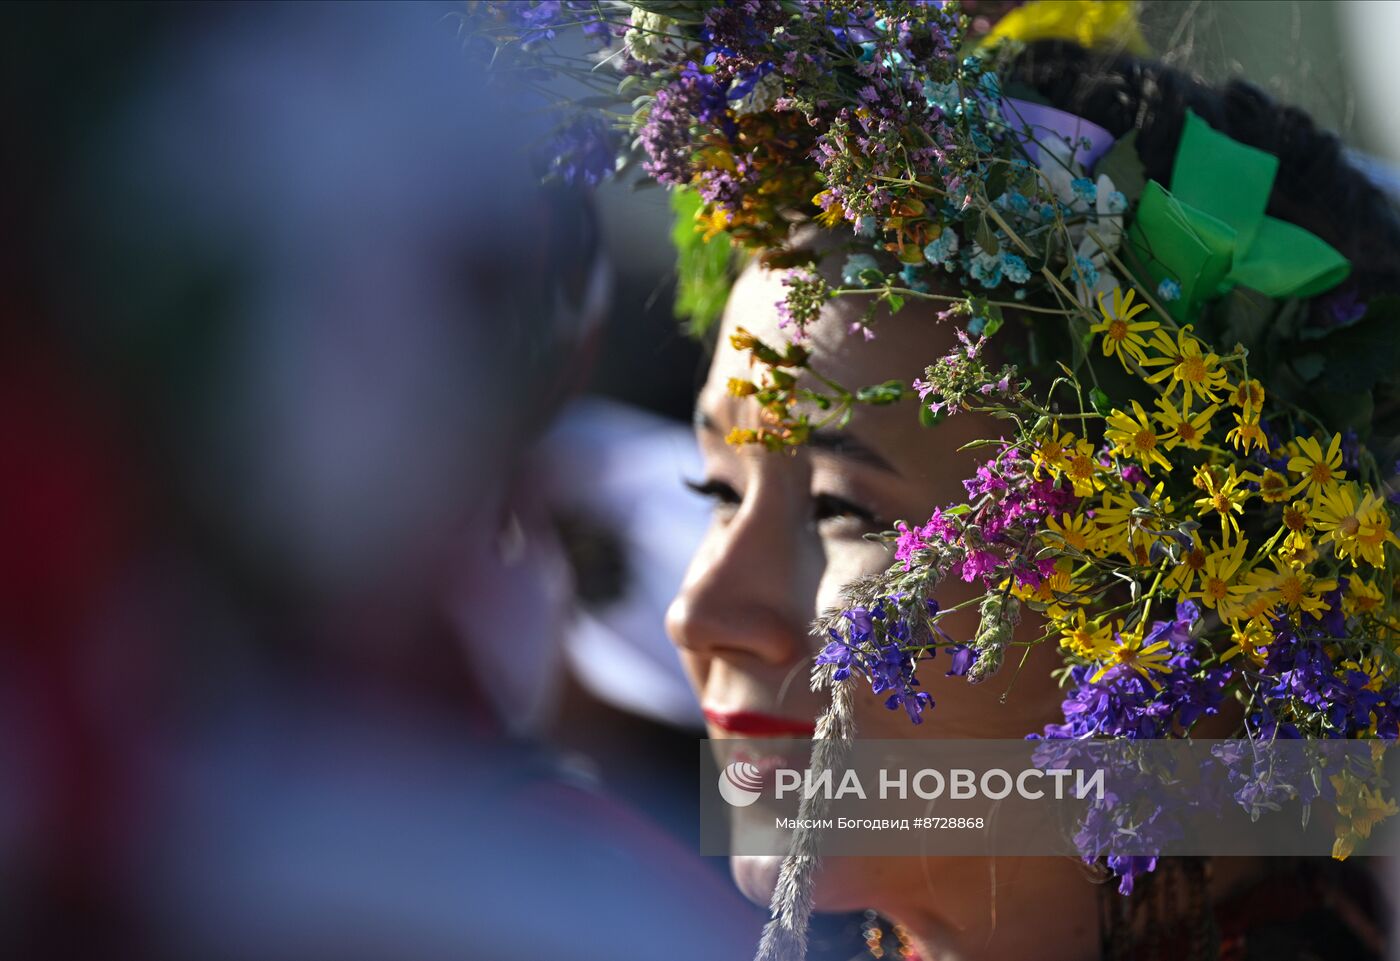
pixel 338 310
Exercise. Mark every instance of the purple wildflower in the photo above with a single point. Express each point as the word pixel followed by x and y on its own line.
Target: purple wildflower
pixel 584 151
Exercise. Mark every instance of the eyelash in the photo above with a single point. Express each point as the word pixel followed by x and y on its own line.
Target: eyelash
pixel 828 506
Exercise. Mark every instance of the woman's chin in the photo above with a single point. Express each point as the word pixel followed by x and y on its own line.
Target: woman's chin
pixel 756 875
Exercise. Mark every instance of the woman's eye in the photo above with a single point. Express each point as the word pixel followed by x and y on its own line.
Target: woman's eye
pixel 717 491
pixel 829 507
pixel 826 508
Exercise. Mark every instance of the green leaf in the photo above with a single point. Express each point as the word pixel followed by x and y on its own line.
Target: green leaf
pixel 1366 353
pixel 1081 339
pixel 1102 405
pixel 1240 317
pixel 987 238
pixel 896 302
pixel 881 394
pixel 702 269
pixel 1309 366
pixel 1345 410
pixel 1288 321
pixel 928 418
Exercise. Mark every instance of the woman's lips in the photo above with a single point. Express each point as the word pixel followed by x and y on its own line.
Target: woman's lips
pixel 755 724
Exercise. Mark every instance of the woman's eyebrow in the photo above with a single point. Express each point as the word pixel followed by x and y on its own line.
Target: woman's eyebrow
pixel 839 444
pixel 845 445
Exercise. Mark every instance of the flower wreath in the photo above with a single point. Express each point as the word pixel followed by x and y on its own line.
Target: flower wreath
pixel 1237 485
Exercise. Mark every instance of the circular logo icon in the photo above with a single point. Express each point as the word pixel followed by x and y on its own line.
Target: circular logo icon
pixel 740 783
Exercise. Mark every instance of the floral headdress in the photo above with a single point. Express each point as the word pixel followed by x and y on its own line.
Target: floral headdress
pixel 1192 493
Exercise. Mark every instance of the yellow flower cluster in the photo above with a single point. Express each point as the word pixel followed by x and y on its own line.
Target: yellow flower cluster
pixel 1261 539
pixel 1360 807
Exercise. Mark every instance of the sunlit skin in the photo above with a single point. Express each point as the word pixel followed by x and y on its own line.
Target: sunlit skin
pixel 785 538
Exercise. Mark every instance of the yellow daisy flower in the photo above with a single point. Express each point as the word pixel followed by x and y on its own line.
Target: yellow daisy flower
pixel 1359 809
pixel 1116 524
pixel 1247 433
pixel 1126 528
pixel 1362 597
pixel 1219 586
pixel 1183 574
pixel 1054 594
pixel 1319 472
pixel 1128 650
pixel 1185 363
pixel 1305 557
pixel 1253 606
pixel 1191 429
pixel 1373 666
pixel 1076 531
pixel 1375 531
pixel 1052 453
pixel 1273 487
pixel 1135 437
pixel 1248 395
pixel 1122 336
pixel 830 215
pixel 1084 637
pixel 1082 470
pixel 1251 638
pixel 1338 518
pixel 1291 585
pixel 1224 495
pixel 1297 517
pixel 714 222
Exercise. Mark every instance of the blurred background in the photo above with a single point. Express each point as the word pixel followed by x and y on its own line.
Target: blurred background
pixel 341 492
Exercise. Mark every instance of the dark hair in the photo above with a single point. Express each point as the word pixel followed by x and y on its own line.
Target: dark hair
pixel 1295 909
pixel 1317 188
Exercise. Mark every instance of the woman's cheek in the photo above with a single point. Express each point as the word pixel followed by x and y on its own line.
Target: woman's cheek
pixel 848 561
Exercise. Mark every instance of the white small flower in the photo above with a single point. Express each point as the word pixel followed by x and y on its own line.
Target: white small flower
pixel 762 97
pixel 651 37
pixel 1061 170
pixel 1107 226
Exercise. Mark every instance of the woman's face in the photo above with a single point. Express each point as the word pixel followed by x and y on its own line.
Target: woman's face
pixel 787 536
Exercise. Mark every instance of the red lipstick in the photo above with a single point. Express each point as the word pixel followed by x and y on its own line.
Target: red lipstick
pixel 754 724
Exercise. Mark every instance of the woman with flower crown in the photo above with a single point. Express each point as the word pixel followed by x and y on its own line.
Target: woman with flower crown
pixel 1044 354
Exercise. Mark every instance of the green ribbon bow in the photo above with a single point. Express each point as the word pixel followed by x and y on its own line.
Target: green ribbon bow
pixel 1210 232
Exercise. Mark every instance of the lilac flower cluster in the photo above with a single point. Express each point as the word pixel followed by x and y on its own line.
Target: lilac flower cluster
pixel 583 152
pixel 1143 808
pixel 990 535
pixel 695 95
pixel 893 127
pixel 1303 692
pixel 737 40
pixel 539 22
pixel 961 377
pixel 806 294
pixel 1123 704
pixel 1261 779
pixel 884 644
pixel 741 30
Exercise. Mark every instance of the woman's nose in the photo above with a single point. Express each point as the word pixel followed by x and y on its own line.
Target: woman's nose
pixel 743 596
